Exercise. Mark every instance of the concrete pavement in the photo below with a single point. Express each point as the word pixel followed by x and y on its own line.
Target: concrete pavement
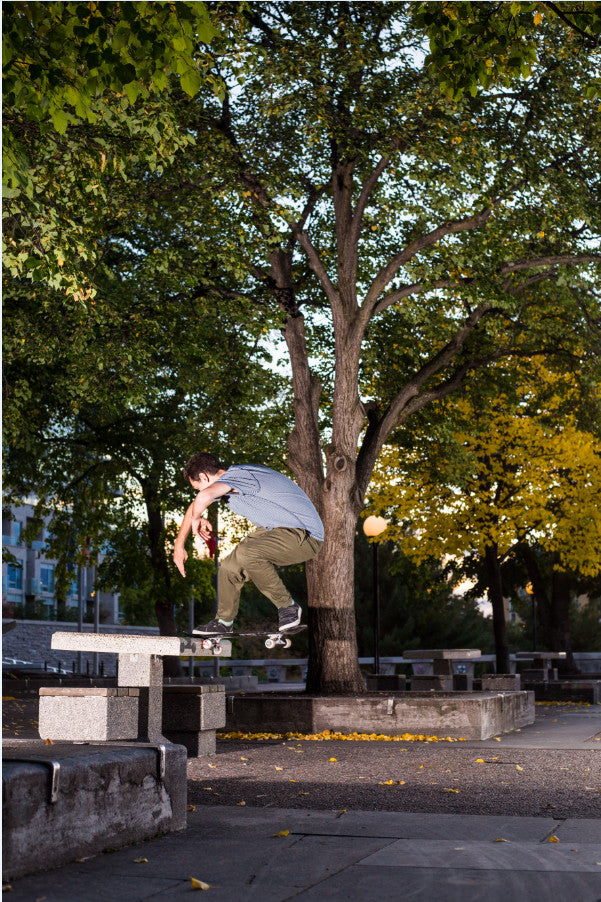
pixel 433 843
pixel 352 855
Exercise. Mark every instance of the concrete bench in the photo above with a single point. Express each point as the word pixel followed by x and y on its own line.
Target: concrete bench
pixel 442 679
pixel 103 715
pixel 543 669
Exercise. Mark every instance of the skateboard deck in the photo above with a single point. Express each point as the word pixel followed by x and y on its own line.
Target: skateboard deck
pixel 273 637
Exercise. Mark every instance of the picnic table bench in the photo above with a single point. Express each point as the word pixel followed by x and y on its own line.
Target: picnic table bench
pixel 543 669
pixel 442 677
pixel 134 709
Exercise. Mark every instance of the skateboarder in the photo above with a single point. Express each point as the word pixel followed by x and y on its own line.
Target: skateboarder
pixel 289 531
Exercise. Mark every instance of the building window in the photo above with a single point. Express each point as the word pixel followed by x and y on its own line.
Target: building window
pixel 15 577
pixel 47 578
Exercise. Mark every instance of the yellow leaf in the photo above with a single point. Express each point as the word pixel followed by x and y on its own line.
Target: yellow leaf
pixel 517 767
pixel 199 884
pixel 333 759
pixel 538 18
pixel 479 760
pixel 401 782
pixel 386 783
pixel 278 768
pixel 502 840
pixel 282 833
pixel 451 790
pixel 241 804
pixel 140 861
pixel 553 839
pixel 49 742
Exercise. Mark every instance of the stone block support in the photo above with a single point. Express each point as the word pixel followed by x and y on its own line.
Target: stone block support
pixel 192 715
pixel 89 714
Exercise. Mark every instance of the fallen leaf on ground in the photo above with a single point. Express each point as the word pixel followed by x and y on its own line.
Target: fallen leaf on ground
pixel 191 808
pixel 479 760
pixel 282 833
pixel 451 790
pixel 49 742
pixel 517 767
pixel 502 840
pixel 140 861
pixel 386 783
pixel 241 804
pixel 553 839
pixel 279 768
pixel 199 884
pixel 333 759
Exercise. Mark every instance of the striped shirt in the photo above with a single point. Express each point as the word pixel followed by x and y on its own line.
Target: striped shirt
pixel 270 499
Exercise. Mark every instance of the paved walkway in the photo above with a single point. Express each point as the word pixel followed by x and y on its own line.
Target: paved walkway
pixel 434 842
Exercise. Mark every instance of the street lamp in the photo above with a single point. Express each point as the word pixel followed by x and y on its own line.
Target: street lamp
pixel 373 526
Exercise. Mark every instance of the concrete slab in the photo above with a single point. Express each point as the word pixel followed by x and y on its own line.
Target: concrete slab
pixel 553 728
pixel 435 826
pixel 423 885
pixel 488 855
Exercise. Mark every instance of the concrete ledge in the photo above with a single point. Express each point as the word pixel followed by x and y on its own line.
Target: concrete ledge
pixel 104 797
pixel 467 715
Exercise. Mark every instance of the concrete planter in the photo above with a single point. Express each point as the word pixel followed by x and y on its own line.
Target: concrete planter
pixel 466 715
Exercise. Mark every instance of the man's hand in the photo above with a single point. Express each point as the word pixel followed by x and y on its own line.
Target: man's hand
pixel 202 528
pixel 180 556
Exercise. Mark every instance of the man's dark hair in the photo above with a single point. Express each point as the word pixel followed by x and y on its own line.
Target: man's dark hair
pixel 202 462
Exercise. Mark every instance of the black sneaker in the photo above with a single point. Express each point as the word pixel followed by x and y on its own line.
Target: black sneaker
pixel 213 628
pixel 289 617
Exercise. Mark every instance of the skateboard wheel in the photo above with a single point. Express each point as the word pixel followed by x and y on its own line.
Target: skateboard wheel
pixel 206 643
pixel 217 649
pixel 287 643
pixel 270 643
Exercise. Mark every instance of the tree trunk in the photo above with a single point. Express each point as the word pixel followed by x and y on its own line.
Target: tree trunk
pixel 560 618
pixel 333 653
pixel 495 588
pixel 161 576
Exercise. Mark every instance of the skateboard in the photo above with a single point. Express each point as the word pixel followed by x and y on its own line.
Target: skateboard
pixel 273 638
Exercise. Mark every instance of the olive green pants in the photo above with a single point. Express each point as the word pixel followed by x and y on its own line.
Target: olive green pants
pixel 256 559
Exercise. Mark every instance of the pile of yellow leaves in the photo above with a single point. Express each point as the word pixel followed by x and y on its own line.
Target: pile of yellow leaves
pixel 352 737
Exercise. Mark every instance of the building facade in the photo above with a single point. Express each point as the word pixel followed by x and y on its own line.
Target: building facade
pixel 28 583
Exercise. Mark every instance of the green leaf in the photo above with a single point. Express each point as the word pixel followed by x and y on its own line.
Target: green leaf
pixel 132 90
pixel 190 82
pixel 60 120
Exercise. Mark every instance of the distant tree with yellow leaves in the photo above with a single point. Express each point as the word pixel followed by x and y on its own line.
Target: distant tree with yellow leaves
pixel 511 476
